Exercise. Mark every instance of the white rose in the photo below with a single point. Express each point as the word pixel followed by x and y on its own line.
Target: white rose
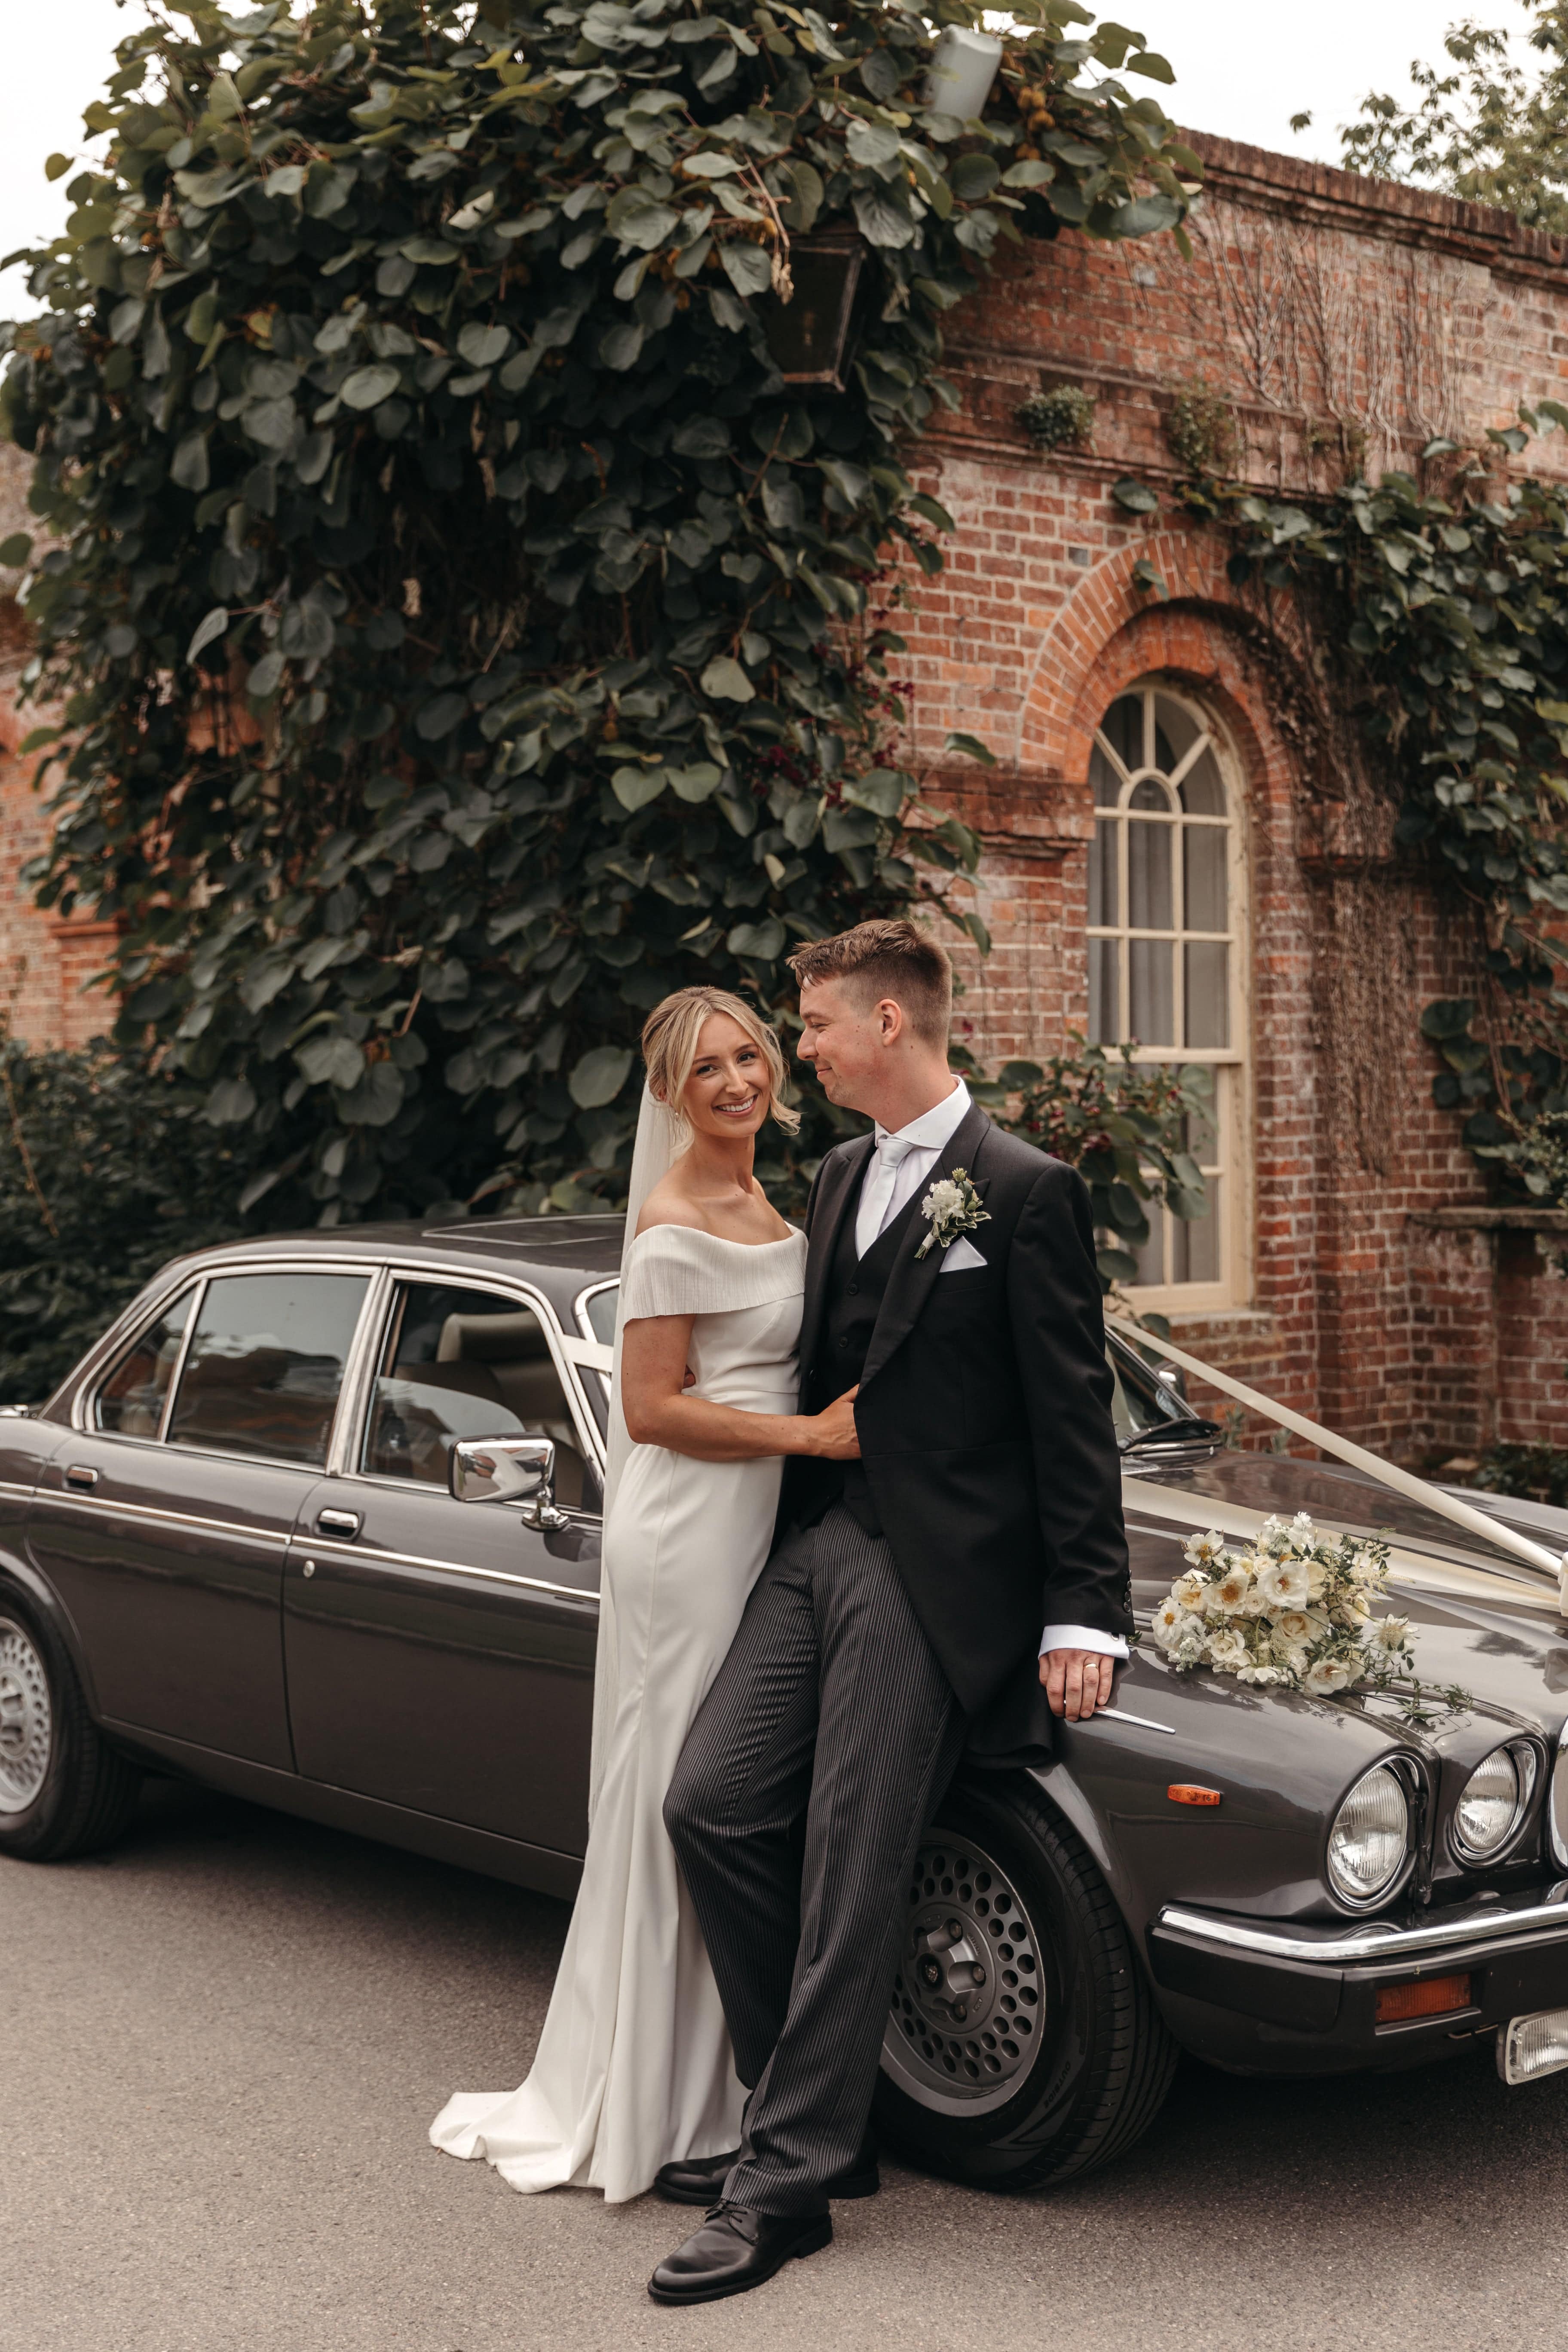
pixel 943 1200
pixel 1262 1675
pixel 1228 1652
pixel 1284 1584
pixel 1203 1551
pixel 1295 1626
pixel 1228 1592
pixel 1189 1589
pixel 1169 1621
pixel 1329 1674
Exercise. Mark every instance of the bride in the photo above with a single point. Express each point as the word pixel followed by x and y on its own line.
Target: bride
pixel 633 2069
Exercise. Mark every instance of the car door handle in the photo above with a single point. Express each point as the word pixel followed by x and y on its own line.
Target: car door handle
pixel 79 1474
pixel 338 1523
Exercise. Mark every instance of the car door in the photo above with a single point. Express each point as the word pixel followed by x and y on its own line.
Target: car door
pixel 164 1520
pixel 440 1654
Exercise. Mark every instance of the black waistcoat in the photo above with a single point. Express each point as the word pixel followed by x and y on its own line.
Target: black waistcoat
pixel 855 1288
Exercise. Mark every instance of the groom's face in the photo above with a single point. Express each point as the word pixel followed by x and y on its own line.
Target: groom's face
pixel 845 1039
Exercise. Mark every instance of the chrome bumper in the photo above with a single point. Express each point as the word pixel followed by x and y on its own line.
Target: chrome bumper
pixel 1316 1987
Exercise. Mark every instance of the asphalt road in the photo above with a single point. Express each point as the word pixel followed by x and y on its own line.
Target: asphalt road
pixel 222 2044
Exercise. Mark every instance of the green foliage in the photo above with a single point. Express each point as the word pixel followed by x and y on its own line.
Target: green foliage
pixel 1484 130
pixel 1537 1474
pixel 1060 418
pixel 1201 430
pixel 1452 611
pixel 465 634
pixel 105 1173
pixel 1125 1126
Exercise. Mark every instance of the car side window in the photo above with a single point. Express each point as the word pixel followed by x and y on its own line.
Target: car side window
pixel 131 1402
pixel 266 1364
pixel 465 1364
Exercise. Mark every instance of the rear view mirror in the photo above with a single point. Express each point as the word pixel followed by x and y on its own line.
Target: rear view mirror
pixel 508 1470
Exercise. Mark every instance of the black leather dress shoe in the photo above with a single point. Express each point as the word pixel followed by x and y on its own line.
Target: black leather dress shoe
pixel 699 2179
pixel 736 2248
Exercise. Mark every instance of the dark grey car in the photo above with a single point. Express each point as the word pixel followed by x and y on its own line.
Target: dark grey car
pixel 230 1548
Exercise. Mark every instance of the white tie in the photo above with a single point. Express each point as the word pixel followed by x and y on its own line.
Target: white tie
pixel 876 1195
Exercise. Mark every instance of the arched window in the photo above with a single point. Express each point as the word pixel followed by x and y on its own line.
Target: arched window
pixel 1167 963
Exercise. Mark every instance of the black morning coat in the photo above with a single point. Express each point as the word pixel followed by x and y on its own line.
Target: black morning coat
pixel 985 1424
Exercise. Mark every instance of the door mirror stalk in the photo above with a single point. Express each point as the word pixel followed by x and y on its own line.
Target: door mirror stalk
pixel 509 1470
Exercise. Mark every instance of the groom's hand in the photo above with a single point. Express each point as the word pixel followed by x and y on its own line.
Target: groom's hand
pixel 1077 1682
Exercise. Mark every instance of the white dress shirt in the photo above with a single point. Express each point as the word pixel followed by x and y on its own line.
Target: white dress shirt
pixel 900 1166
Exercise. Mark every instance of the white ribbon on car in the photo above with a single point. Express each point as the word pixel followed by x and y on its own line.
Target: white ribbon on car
pixel 1496 1532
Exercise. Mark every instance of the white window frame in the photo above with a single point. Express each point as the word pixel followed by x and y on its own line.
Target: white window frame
pixel 1231 1063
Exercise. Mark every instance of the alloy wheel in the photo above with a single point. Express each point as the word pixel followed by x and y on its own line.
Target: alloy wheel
pixel 26 1719
pixel 969 2004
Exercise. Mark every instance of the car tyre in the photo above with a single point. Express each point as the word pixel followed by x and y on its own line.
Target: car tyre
pixel 1057 2061
pixel 63 1790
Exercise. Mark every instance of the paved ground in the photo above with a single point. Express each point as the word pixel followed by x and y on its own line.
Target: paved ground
pixel 222 2044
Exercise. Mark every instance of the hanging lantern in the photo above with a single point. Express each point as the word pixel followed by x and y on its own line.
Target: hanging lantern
pixel 809 334
pixel 963 70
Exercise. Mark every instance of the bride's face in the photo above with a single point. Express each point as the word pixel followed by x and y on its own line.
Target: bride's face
pixel 727 1093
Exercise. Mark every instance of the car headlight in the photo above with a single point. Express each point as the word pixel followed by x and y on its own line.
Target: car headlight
pixel 1370 1841
pixel 1493 1801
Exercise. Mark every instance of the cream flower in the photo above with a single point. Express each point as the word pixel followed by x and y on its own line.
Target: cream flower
pixel 1203 1551
pixel 1169 1621
pixel 1228 1652
pixel 1228 1592
pixel 1190 1589
pixel 1295 1626
pixel 1389 1634
pixel 1284 1584
pixel 1329 1674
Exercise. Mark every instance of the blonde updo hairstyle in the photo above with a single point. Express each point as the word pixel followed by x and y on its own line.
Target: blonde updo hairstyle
pixel 669 1041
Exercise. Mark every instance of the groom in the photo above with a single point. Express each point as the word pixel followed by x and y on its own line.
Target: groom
pixel 906 1595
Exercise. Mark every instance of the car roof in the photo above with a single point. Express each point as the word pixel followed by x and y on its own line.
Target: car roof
pixel 559 1256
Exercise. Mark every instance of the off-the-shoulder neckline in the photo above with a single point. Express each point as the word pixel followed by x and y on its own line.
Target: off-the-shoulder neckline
pixel 701 1233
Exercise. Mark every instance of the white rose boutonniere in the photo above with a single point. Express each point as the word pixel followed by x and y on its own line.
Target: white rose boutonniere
pixel 951 1207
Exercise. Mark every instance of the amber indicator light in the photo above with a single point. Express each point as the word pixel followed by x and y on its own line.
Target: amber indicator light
pixel 1426 1996
pixel 1183 1792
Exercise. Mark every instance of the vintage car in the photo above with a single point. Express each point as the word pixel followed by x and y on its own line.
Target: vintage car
pixel 268 1536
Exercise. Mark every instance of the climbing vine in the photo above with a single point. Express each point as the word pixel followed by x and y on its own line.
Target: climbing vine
pixel 1446 607
pixel 465 631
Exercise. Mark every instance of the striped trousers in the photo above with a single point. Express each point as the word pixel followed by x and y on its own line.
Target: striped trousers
pixel 819 1755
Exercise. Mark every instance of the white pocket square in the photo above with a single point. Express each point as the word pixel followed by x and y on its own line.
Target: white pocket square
pixel 960 1257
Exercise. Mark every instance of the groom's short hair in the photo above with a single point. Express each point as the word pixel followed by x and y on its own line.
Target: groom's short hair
pixel 887 959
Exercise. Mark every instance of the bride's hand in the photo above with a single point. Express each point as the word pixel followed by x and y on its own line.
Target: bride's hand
pixel 832 1431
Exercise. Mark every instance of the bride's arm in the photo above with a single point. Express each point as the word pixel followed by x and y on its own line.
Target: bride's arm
pixel 654 1350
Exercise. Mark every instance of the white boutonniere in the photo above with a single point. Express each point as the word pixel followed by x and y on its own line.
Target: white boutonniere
pixel 951 1207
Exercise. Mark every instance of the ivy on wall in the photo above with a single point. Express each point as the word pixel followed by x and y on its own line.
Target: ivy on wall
pixel 465 634
pixel 1450 607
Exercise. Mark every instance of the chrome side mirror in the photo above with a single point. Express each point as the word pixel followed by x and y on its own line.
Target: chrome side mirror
pixel 508 1470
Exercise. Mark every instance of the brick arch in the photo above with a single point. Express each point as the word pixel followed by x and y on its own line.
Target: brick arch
pixel 1112 631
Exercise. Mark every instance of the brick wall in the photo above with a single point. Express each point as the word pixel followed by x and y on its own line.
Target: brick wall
pixel 1344 319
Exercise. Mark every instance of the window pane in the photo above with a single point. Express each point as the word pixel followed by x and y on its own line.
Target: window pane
pixel 1149 877
pixel 1102 880
pixel 1199 1138
pixel 1208 992
pixel 131 1402
pixel 1203 793
pixel 1149 794
pixel 1151 1016
pixel 467 1363
pixel 1104 780
pixel 1204 878
pixel 1104 995
pixel 1194 1242
pixel 1151 1256
pixel 1175 732
pixel 601 1314
pixel 1123 729
pixel 266 1364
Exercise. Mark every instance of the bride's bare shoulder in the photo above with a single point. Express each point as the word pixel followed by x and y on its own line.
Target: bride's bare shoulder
pixel 667 1204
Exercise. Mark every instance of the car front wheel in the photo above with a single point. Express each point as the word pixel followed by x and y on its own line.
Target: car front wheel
pixel 62 1792
pixel 1022 2045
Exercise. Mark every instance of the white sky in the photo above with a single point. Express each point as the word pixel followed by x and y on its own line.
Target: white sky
pixel 1243 68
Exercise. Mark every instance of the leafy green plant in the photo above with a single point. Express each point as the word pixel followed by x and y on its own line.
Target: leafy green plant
pixel 105 1172
pixel 466 634
pixel 1537 1474
pixel 1124 1125
pixel 1060 418
pixel 1486 130
pixel 1201 430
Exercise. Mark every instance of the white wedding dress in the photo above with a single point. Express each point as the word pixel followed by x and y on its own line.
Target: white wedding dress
pixel 634 2067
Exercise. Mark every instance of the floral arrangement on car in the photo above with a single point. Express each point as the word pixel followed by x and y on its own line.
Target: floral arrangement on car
pixel 1292 1608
